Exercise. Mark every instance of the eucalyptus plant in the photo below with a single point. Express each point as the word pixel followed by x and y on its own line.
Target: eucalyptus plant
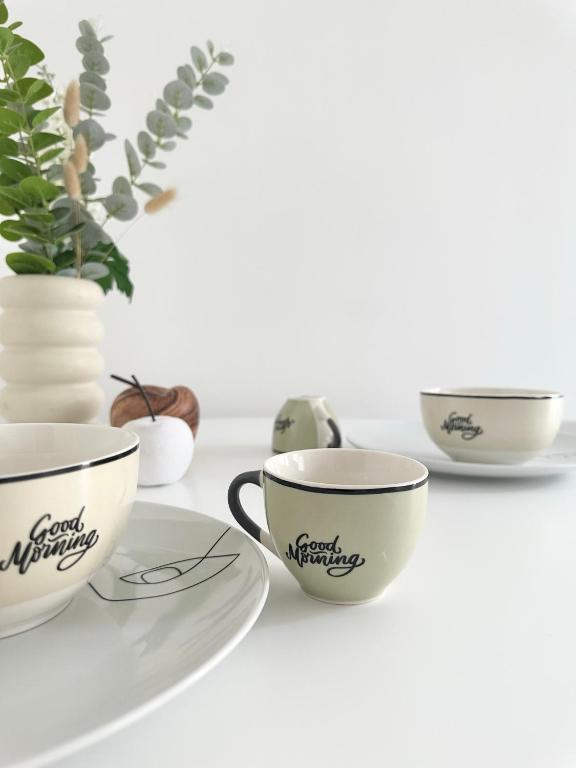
pixel 50 193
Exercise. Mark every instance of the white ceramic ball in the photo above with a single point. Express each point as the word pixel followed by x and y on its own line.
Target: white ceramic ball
pixel 166 448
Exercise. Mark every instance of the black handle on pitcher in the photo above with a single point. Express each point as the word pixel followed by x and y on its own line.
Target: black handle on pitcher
pixel 336 441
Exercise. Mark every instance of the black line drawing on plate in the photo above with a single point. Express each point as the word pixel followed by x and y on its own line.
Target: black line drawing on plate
pixel 149 583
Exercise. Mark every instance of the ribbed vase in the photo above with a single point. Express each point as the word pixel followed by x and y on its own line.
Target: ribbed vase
pixel 50 332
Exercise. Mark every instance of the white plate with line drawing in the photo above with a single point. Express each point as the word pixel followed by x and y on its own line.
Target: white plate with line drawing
pixel 411 439
pixel 180 592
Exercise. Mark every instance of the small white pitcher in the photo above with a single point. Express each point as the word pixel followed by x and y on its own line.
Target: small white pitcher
pixel 305 422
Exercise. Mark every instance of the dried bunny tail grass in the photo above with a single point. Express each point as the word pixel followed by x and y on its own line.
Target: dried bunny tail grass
pixel 80 155
pixel 160 201
pixel 72 181
pixel 72 104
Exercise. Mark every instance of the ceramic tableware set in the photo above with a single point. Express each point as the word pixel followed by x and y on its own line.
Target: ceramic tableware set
pixel 186 587
pixel 344 522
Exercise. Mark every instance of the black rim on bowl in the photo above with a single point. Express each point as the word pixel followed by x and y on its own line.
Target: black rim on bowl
pixel 492 393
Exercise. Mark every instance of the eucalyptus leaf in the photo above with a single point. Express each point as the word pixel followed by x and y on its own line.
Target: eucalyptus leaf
pixel 187 75
pixel 157 164
pixel 64 234
pixel 121 186
pixel 168 146
pixel 178 95
pixel 40 214
pixel 163 107
pixel 183 123
pixel 96 62
pixel 94 271
pixel 134 165
pixel 160 124
pixel 67 272
pixel 54 172
pixel 62 209
pixel 198 58
pixel 88 44
pixel 150 189
pixel 29 246
pixel 87 183
pixel 121 207
pixel 93 97
pixel 92 234
pixel 86 29
pixel 210 47
pixel 92 132
pixel 213 84
pixel 94 79
pixel 225 59
pixel 146 144
pixel 203 101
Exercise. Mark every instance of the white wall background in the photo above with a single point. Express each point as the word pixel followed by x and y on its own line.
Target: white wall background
pixel 385 197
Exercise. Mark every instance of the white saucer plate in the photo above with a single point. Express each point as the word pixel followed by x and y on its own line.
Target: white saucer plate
pixel 179 594
pixel 410 439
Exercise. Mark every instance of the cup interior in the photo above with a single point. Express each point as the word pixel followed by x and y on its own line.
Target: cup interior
pixel 343 468
pixel 30 449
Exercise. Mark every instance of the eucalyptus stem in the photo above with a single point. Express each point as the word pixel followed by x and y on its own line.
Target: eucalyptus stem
pixel 77 239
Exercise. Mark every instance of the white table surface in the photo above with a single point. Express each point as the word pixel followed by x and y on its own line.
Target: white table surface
pixel 468 661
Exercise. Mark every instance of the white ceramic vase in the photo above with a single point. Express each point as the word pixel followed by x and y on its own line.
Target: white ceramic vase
pixel 50 332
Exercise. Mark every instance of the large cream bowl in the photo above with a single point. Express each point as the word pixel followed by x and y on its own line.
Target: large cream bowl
pixel 66 491
pixel 494 426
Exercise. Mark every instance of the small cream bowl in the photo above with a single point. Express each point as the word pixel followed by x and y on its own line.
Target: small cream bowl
pixel 66 491
pixel 491 426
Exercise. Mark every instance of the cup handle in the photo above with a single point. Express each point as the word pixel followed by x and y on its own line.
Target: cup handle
pixel 261 536
pixel 336 441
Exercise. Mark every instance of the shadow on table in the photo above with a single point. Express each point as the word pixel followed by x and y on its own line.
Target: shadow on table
pixel 287 603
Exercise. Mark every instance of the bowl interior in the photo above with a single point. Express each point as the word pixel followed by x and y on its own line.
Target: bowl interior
pixel 27 449
pixel 343 468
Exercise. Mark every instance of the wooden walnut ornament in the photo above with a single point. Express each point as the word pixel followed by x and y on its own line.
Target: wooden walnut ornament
pixel 175 401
